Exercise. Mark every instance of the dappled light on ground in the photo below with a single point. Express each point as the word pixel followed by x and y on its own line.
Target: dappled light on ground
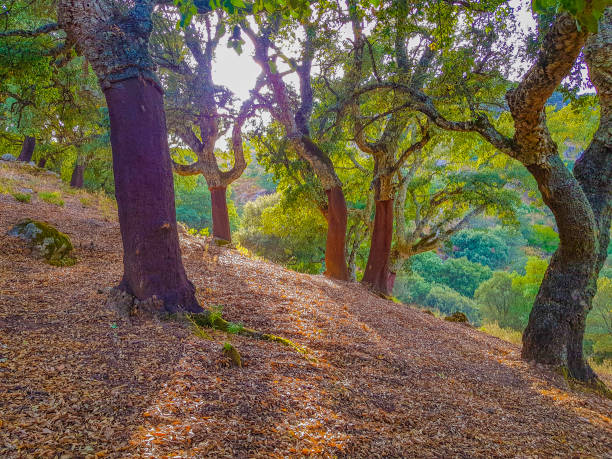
pixel 378 378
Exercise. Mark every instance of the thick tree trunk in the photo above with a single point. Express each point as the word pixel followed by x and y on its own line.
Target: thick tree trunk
pixel 220 216
pixel 556 323
pixel 583 211
pixel 27 149
pixel 42 162
pixel 337 216
pixel 76 181
pixel 377 269
pixel 145 196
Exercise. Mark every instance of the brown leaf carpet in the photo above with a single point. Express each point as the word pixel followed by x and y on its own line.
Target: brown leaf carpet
pixel 76 380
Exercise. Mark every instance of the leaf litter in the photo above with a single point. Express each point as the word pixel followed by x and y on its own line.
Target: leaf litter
pixel 387 380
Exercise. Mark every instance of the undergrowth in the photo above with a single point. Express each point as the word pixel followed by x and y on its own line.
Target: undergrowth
pixel 52 197
pixel 507 334
pixel 22 197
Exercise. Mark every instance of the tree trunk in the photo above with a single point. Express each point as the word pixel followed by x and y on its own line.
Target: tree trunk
pixel 377 269
pixel 76 181
pixel 556 323
pixel 42 162
pixel 583 211
pixel 391 281
pixel 145 196
pixel 220 216
pixel 337 216
pixel 27 149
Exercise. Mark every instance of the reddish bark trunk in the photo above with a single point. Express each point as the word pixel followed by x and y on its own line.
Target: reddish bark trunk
pixel 335 262
pixel 220 216
pixel 391 282
pixel 377 270
pixel 76 181
pixel 145 196
pixel 27 149
pixel 42 162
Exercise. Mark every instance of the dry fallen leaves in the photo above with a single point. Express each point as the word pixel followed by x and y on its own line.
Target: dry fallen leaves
pixel 389 381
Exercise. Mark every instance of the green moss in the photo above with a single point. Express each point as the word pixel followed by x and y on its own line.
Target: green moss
pixel 595 386
pixel 52 197
pixel 22 197
pixel 232 353
pixel 212 319
pixel 50 243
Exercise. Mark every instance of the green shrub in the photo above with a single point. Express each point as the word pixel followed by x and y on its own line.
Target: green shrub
pixel 411 288
pixel 51 197
pixel 482 247
pixel 503 303
pixel 87 201
pixel 22 197
pixel 543 237
pixel 448 301
pixel 460 274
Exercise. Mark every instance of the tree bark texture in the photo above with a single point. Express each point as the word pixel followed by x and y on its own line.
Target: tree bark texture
pixel 114 37
pixel 556 323
pixel 220 215
pixel 582 205
pixel 377 269
pixel 145 196
pixel 42 162
pixel 337 217
pixel 76 181
pixel 27 149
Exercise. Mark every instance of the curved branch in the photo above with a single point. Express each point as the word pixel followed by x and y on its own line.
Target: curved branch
pixel 187 169
pixel 556 57
pixel 421 102
pixel 44 29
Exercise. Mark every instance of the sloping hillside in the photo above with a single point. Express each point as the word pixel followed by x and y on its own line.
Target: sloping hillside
pixel 380 380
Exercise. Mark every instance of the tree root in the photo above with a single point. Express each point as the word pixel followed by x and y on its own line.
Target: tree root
pixel 212 319
pixel 593 386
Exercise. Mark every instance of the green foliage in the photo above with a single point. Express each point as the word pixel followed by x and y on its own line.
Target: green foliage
pixel 507 298
pixel 501 303
pixel 52 197
pixel 22 197
pixel 459 274
pixel 411 288
pixel 482 247
pixel 543 237
pixel 290 233
pixel 586 12
pixel 448 301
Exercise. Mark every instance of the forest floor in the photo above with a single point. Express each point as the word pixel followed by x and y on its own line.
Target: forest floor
pixel 380 379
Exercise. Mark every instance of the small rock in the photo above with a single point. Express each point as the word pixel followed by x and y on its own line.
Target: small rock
pixel 32 163
pixel 8 157
pixel 26 190
pixel 44 239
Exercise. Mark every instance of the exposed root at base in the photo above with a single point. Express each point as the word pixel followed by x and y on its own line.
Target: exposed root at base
pixel 594 386
pixel 128 306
